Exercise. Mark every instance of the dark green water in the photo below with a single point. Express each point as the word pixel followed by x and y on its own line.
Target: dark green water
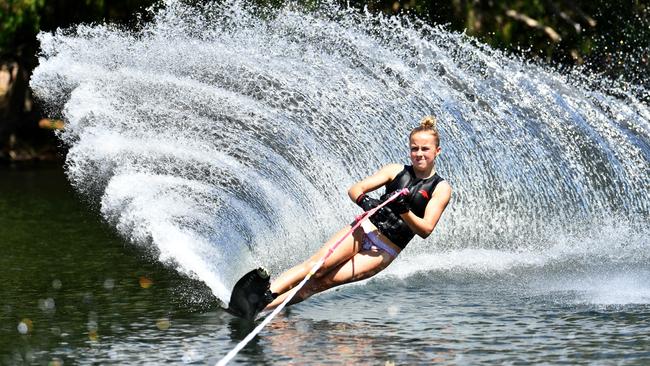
pixel 68 284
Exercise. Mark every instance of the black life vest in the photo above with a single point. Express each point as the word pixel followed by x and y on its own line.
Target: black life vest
pixel 390 223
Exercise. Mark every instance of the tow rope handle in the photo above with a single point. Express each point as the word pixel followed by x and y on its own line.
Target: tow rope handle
pixel 314 269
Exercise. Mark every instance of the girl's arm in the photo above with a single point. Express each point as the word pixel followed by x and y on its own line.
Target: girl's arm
pixel 437 204
pixel 371 183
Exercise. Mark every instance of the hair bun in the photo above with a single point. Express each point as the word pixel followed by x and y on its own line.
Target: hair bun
pixel 428 122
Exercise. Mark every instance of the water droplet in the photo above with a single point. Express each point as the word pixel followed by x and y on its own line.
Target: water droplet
pixel 46 304
pixel 109 284
pixel 56 284
pixel 145 282
pixel 393 310
pixel 55 362
pixel 25 326
pixel 93 336
pixel 163 323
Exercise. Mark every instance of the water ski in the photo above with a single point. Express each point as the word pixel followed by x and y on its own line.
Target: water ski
pixel 251 294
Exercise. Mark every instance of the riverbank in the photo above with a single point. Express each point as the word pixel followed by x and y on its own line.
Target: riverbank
pixel 40 147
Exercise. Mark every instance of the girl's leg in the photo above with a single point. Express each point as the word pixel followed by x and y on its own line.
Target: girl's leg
pixel 348 248
pixel 363 265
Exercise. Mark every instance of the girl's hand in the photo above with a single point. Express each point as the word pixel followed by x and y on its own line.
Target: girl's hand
pixel 367 203
pixel 401 204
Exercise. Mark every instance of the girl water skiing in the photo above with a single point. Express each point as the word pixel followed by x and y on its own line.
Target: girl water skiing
pixel 379 239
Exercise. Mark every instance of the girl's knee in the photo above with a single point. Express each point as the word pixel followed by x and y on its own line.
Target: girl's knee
pixel 308 265
pixel 320 272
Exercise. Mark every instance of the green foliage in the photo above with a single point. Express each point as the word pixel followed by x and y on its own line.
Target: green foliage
pixel 19 19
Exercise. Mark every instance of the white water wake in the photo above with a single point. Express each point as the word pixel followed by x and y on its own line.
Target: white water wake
pixel 226 136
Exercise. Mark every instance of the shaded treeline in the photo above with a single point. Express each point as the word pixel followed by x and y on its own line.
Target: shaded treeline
pixel 22 137
pixel 609 37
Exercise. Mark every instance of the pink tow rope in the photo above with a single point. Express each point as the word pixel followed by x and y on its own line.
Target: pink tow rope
pixel 314 269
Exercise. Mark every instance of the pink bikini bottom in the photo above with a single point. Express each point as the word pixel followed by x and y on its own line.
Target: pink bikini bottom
pixel 371 241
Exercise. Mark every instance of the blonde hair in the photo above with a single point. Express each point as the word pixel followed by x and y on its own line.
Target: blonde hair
pixel 427 124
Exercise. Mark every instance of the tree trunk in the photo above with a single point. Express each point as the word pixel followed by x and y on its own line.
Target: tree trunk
pixel 13 88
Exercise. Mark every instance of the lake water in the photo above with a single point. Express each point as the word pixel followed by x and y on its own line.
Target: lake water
pixel 73 292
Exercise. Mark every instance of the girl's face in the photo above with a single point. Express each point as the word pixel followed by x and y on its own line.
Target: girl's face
pixel 423 151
